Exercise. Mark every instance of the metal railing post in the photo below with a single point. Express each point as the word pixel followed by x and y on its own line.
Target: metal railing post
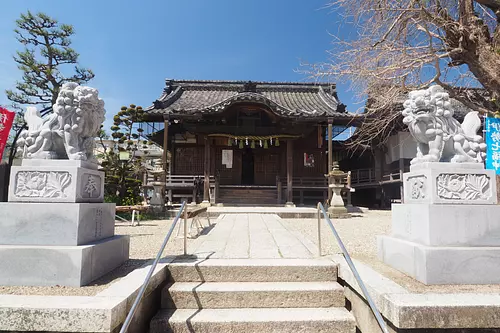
pixel 354 271
pixel 142 291
pixel 185 230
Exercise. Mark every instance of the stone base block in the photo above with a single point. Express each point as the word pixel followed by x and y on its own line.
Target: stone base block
pixel 56 181
pixel 338 213
pixel 441 265
pixel 447 225
pixel 55 223
pixel 72 266
pixel 450 183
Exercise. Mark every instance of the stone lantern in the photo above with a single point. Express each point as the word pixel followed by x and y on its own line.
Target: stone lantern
pixel 336 179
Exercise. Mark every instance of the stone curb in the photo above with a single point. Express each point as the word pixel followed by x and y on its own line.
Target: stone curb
pixel 411 310
pixel 103 312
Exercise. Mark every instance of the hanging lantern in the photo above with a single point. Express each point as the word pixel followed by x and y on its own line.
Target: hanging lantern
pixel 271 141
pixel 247 141
pixel 230 141
pixel 241 144
pixel 265 144
pixel 277 142
pixel 260 143
pixel 253 144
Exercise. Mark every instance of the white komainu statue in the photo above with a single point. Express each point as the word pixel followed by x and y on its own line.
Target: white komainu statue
pixel 440 137
pixel 69 132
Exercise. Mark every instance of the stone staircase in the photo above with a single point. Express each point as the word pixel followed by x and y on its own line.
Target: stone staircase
pixel 248 196
pixel 253 295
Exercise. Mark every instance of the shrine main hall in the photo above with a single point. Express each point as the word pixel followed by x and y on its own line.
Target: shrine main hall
pixel 249 142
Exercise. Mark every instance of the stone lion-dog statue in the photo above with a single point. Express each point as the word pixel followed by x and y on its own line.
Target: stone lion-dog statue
pixel 440 137
pixel 67 133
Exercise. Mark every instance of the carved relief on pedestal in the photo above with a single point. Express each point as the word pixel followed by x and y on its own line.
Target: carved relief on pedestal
pixel 42 184
pixel 463 186
pixel 91 186
pixel 417 187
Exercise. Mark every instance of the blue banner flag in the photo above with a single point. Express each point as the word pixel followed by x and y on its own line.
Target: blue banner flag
pixel 493 142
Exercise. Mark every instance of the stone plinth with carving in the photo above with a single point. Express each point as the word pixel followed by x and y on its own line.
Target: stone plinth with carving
pixel 447 231
pixel 56 228
pixel 56 181
pixel 449 183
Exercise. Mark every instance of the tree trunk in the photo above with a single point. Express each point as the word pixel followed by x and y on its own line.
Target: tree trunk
pixel 12 155
pixel 485 65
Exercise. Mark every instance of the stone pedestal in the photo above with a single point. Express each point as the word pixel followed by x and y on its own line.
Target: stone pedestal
pixel 56 181
pixel 448 229
pixel 337 208
pixel 55 229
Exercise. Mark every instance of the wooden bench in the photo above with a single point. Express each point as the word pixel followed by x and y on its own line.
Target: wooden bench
pixel 135 210
pixel 194 214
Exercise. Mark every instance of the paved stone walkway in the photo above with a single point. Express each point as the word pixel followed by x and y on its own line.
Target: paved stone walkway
pixel 256 236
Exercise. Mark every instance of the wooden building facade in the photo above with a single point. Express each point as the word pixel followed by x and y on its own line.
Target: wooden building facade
pixel 249 142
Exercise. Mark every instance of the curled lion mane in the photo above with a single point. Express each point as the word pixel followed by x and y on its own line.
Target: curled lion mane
pixel 440 137
pixel 69 132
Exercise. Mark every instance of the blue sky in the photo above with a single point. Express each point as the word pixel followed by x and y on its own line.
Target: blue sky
pixel 132 46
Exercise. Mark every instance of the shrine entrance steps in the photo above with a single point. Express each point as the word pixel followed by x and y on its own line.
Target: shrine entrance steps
pixel 253 295
pixel 253 274
pixel 248 195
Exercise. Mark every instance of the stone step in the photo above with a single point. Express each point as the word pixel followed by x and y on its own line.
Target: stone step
pixel 220 295
pixel 282 320
pixel 247 194
pixel 253 270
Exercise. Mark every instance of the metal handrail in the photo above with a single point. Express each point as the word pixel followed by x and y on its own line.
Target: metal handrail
pixel 376 313
pixel 138 299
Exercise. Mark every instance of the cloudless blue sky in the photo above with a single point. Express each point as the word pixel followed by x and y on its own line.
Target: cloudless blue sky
pixel 132 46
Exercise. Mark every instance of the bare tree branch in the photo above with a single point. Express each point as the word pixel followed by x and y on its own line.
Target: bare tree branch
pixel 411 44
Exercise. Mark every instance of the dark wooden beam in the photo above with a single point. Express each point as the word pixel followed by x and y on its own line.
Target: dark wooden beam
pixel 206 187
pixel 289 171
pixel 320 136
pixel 165 149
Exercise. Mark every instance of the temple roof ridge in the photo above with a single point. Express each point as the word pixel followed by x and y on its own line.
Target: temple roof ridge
pixel 287 99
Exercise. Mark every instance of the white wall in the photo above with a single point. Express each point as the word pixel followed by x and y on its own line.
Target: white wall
pixel 401 145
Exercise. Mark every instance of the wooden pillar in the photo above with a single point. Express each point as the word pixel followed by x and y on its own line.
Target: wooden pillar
pixel 330 154
pixel 171 166
pixel 320 136
pixel 163 192
pixel 289 172
pixel 165 150
pixel 206 187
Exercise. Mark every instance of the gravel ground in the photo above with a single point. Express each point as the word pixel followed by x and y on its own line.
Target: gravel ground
pixel 359 236
pixel 358 233
pixel 145 241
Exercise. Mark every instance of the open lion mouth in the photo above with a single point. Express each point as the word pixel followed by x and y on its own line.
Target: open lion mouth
pixel 421 112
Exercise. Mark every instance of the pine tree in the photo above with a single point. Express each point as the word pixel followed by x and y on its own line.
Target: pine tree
pixel 121 163
pixel 45 60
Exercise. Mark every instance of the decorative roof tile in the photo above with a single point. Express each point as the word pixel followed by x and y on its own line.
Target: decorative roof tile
pixel 287 99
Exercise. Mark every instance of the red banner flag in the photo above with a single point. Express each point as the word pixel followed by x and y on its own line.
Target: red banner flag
pixel 6 120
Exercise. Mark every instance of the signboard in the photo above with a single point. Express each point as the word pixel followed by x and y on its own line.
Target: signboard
pixel 493 142
pixel 227 158
pixel 6 120
pixel 124 155
pixel 309 160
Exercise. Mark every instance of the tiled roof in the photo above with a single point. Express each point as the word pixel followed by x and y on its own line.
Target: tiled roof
pixel 304 100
